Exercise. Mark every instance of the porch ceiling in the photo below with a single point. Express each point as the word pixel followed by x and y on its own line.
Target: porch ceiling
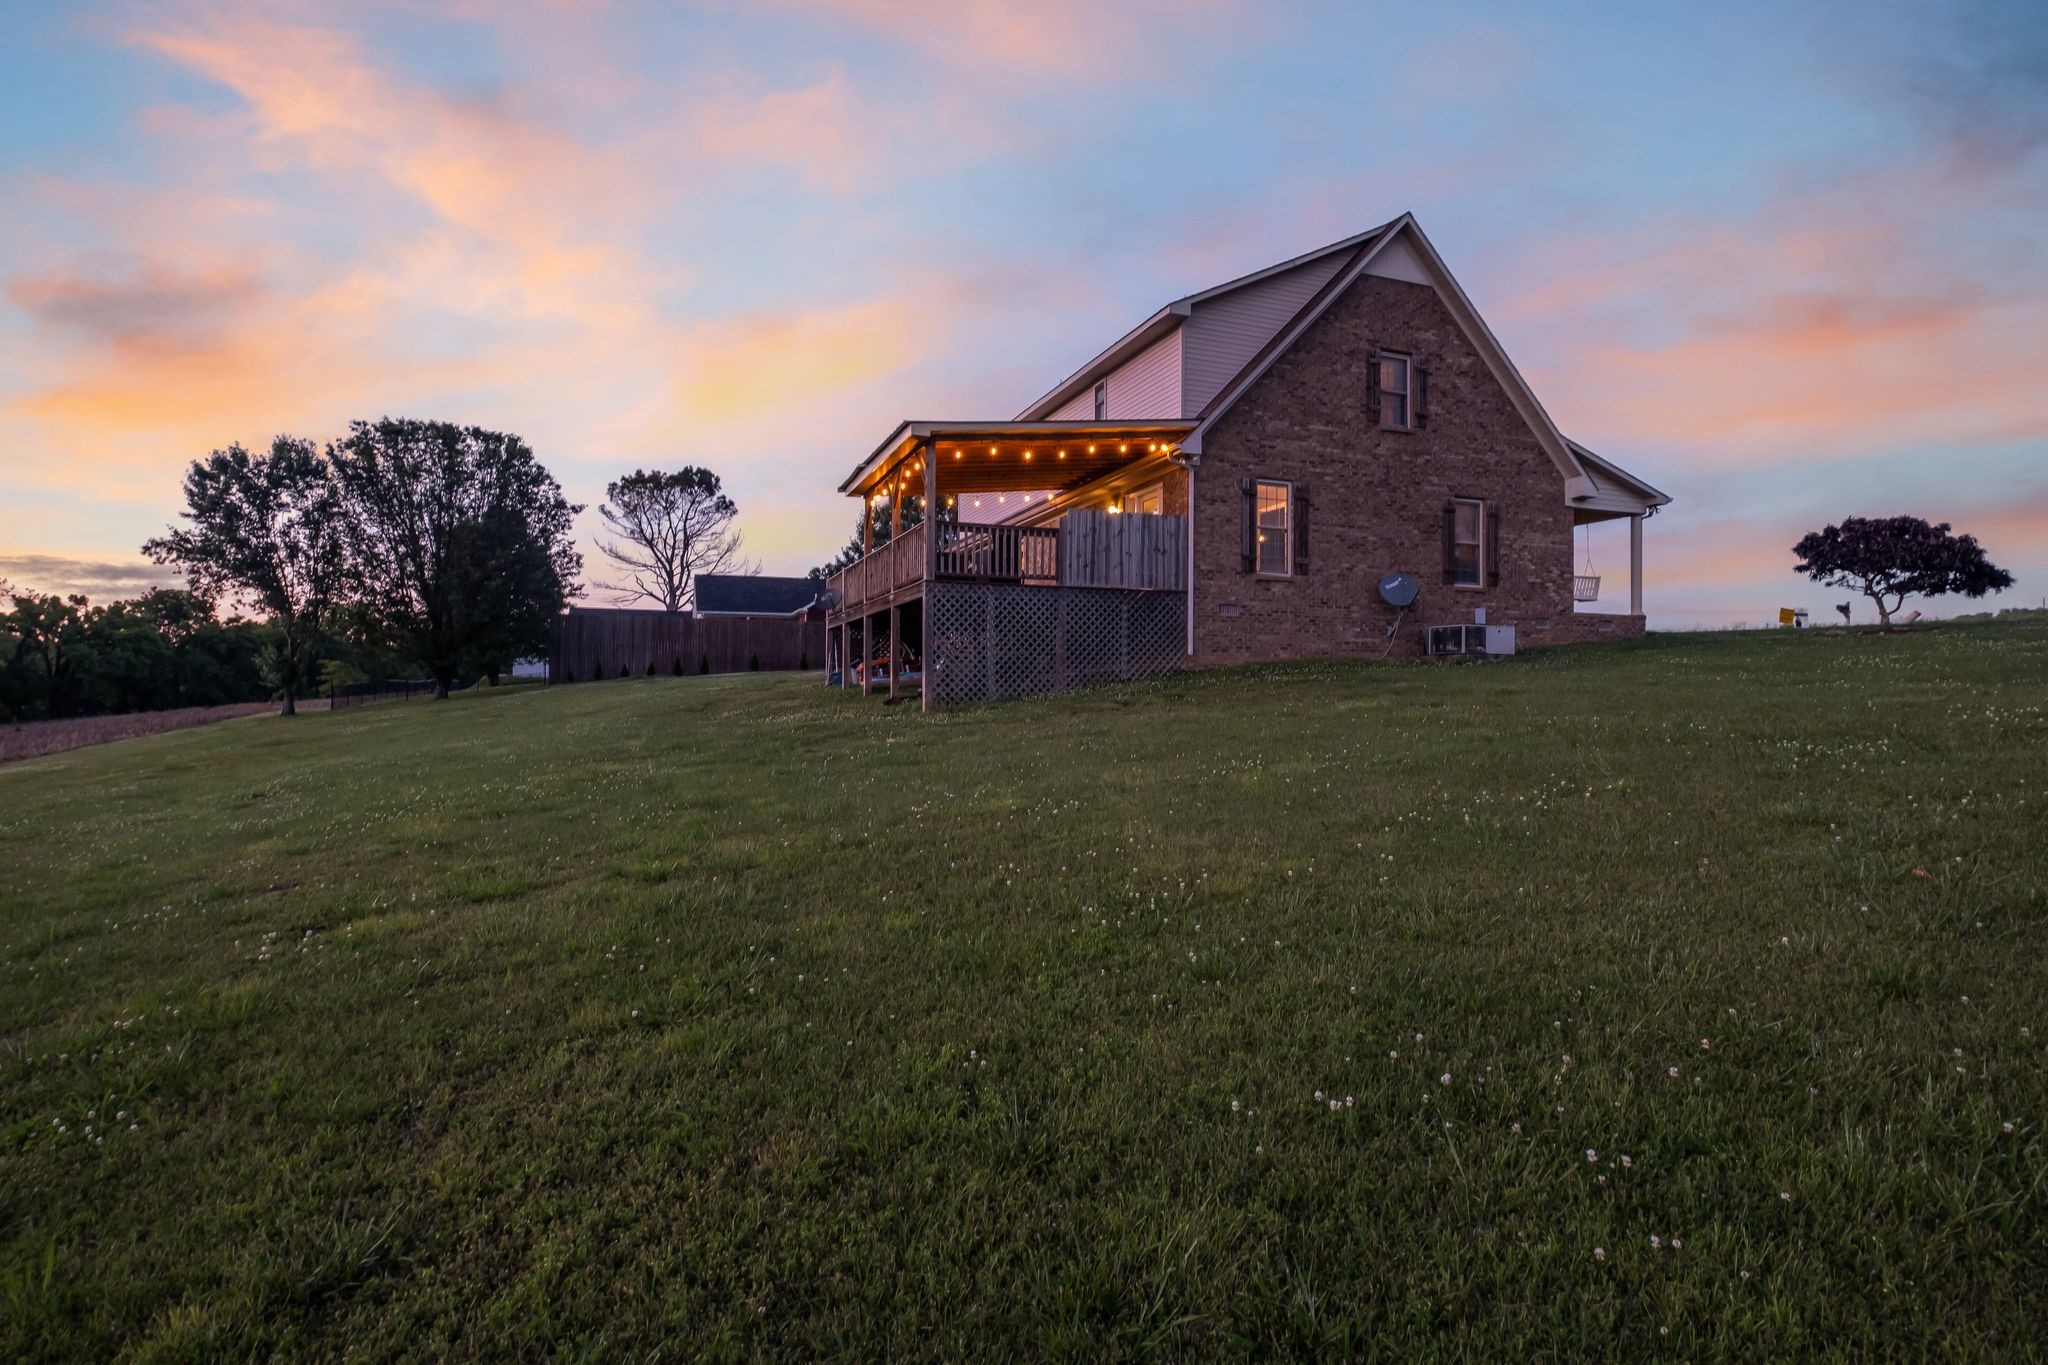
pixel 1008 457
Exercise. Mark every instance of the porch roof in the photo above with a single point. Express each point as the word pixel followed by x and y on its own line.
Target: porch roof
pixel 999 457
pixel 1606 490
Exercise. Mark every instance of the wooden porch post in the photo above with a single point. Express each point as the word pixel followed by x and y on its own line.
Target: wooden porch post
pixel 1635 565
pixel 931 569
pixel 895 650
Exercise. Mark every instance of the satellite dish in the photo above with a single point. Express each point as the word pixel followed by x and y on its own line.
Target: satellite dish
pixel 1399 589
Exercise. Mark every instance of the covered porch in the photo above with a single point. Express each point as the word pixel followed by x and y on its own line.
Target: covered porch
pixel 1608 493
pixel 1011 558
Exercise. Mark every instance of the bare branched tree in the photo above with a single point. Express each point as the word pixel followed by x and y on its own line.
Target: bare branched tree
pixel 668 529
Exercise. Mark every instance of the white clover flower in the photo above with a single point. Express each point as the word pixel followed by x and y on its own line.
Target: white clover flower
pixel 1444 1079
pixel 1673 1073
pixel 1591 1155
pixel 1599 1253
pixel 1655 1241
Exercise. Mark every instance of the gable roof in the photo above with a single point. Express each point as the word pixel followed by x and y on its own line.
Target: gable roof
pixel 753 594
pixel 1467 317
pixel 1169 318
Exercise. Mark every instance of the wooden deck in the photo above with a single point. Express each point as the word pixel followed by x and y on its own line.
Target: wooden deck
pixel 1089 549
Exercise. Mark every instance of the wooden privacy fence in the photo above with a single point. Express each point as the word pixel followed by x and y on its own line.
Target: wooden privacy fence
pixel 594 642
pixel 1103 550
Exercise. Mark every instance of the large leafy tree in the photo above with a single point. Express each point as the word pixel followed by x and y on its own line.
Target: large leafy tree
pixel 46 634
pixel 1889 559
pixel 265 528
pixel 460 539
pixel 666 529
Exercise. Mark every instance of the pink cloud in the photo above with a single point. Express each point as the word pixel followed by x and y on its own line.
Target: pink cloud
pixel 1067 40
pixel 1836 319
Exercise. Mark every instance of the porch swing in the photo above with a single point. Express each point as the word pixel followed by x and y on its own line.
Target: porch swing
pixel 1586 583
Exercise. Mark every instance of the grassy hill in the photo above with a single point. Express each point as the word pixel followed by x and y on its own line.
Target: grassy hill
pixel 1686 998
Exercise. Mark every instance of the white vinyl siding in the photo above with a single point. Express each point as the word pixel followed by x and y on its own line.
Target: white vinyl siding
pixel 1144 388
pixel 1222 335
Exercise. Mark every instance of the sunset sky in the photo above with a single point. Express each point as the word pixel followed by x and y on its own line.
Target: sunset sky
pixel 1789 263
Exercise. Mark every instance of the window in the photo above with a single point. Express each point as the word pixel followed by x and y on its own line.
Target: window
pixel 1468 542
pixel 1101 399
pixel 1394 390
pixel 1275 529
pixel 1146 500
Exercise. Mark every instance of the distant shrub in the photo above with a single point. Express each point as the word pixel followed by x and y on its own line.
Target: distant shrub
pixel 753 663
pixel 803 663
pixel 704 663
pixel 650 665
pixel 677 670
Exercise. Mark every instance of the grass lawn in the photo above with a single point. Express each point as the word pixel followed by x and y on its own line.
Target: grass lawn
pixel 1683 999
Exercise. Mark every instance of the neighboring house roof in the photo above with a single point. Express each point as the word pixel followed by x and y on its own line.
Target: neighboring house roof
pixel 752 594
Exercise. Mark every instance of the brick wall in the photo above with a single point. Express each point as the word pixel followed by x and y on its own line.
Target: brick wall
pixel 1377 496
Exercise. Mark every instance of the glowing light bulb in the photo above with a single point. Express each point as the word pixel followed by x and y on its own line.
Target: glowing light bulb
pixel 1027 454
pixel 1091 450
pixel 991 450
pixel 1124 449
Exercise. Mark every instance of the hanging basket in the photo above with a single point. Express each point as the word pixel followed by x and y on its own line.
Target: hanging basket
pixel 1586 587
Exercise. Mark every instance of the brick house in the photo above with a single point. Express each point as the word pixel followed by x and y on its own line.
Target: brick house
pixel 1229 482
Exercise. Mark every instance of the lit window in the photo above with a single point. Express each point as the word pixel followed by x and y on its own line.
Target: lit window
pixel 1394 371
pixel 1468 544
pixel 1276 529
pixel 1101 399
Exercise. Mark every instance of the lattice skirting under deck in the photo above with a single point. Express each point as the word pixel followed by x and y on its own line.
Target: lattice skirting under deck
pixel 988 641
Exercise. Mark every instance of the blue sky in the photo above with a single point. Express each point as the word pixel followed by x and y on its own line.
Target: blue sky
pixel 1786 262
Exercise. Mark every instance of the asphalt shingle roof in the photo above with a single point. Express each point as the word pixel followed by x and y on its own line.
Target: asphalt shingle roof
pixel 754 593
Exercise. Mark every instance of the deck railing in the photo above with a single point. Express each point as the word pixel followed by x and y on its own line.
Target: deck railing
pixel 998 554
pixel 879 573
pixel 1092 549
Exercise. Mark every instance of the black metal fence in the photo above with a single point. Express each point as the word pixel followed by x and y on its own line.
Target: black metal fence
pixel 388 689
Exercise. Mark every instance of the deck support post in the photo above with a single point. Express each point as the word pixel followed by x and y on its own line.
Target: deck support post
pixel 931 567
pixel 1635 565
pixel 895 650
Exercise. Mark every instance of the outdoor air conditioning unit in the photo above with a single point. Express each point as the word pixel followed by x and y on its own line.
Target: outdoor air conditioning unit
pixel 1475 642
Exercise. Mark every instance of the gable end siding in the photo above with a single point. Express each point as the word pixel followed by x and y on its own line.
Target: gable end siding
pixel 1222 335
pixel 1379 495
pixel 1144 388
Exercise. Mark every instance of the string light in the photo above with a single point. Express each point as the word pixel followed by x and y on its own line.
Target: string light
pixel 1124 449
pixel 991 450
pixel 956 452
pixel 1027 454
pixel 1091 450
pixel 1063 454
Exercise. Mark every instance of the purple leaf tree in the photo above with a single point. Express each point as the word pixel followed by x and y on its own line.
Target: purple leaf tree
pixel 1889 559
